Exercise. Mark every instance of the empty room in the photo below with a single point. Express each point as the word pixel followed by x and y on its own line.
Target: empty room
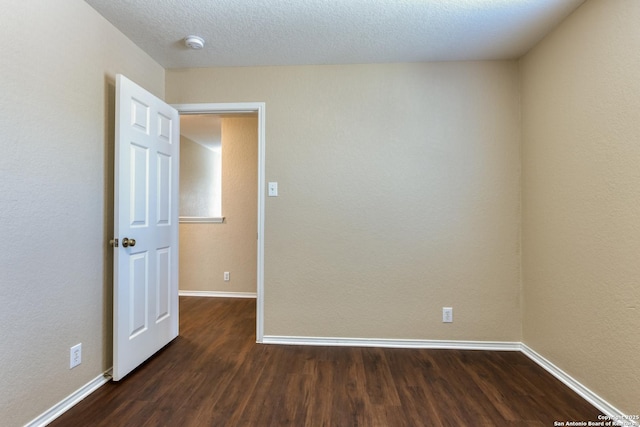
pixel 444 216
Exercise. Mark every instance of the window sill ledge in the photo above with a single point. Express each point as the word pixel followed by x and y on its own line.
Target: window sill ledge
pixel 201 220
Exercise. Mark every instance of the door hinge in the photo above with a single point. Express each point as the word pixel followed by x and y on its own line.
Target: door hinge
pixel 113 243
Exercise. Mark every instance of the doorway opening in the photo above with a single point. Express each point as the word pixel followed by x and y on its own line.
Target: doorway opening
pixel 207 204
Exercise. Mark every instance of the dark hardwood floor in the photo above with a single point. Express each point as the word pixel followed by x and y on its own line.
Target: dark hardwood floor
pixel 214 374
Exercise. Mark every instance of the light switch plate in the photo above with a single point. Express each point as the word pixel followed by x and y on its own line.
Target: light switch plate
pixel 273 189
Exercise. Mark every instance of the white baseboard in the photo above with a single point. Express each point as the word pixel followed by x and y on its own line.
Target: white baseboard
pixel 68 402
pixel 393 343
pixel 217 294
pixel 576 386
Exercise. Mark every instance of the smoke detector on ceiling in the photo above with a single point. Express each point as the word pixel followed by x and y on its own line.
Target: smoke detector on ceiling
pixel 194 42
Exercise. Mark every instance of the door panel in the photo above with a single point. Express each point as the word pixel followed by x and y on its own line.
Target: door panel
pixel 146 225
pixel 138 294
pixel 139 185
pixel 163 290
pixel 164 190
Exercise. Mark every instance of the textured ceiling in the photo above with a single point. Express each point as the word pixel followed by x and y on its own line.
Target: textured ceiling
pixel 296 32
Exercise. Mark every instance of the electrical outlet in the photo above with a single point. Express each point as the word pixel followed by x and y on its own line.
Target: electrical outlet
pixel 447 315
pixel 227 276
pixel 75 356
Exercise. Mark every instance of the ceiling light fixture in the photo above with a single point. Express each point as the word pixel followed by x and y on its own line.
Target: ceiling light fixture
pixel 194 42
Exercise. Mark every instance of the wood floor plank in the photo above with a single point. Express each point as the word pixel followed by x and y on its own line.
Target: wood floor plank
pixel 214 374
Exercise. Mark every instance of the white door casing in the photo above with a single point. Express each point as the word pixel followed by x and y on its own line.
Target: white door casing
pixel 244 108
pixel 145 300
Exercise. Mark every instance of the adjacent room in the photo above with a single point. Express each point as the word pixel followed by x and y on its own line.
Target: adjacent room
pixel 469 158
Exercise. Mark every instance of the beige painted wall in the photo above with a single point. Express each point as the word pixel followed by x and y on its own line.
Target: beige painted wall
pixel 399 194
pixel 56 114
pixel 581 199
pixel 208 250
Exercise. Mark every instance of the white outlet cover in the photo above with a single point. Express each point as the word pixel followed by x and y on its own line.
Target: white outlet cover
pixel 75 356
pixel 447 314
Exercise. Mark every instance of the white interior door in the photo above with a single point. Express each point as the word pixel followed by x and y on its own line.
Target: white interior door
pixel 145 299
